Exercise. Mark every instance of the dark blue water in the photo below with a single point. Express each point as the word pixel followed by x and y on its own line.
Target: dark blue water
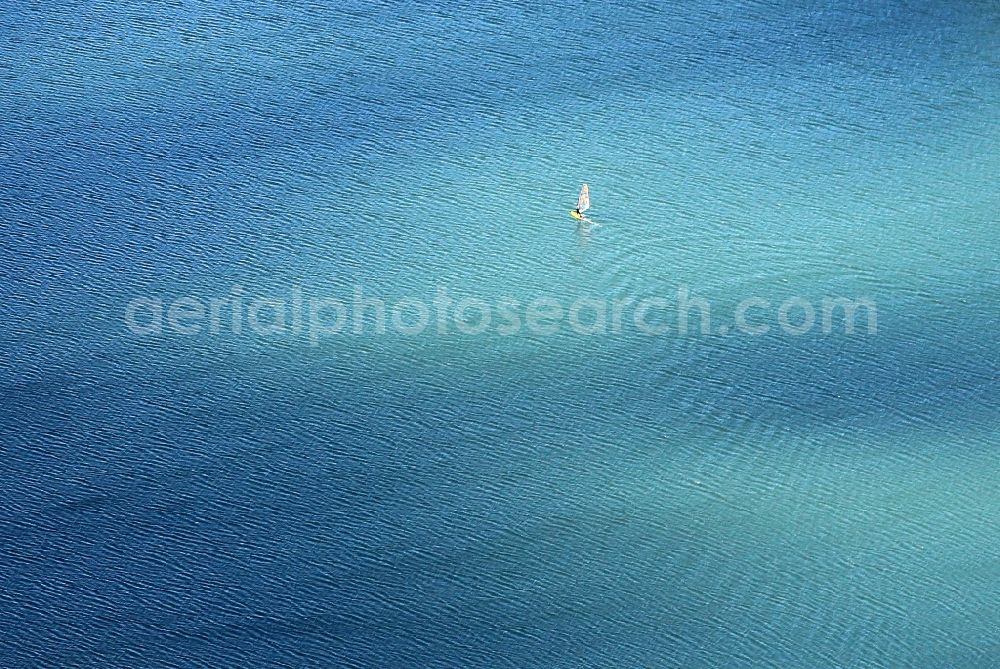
pixel 236 498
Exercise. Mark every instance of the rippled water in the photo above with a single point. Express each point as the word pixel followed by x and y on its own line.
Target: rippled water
pixel 452 500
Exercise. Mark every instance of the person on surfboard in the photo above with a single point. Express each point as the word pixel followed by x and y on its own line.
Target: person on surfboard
pixel 582 204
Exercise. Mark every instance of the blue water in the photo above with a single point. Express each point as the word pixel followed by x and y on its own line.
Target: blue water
pixel 452 500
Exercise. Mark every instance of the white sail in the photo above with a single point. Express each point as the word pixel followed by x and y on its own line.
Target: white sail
pixel 583 202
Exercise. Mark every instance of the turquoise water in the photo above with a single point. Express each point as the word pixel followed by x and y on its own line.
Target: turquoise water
pixel 455 500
